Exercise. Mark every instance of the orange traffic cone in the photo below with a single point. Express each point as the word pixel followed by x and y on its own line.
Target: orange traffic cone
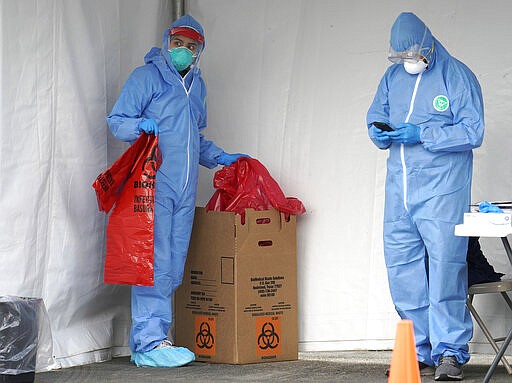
pixel 404 362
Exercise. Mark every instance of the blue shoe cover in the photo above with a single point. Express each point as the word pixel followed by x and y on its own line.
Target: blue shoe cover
pixel 163 357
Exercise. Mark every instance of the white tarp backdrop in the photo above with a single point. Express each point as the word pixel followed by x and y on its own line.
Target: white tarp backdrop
pixel 62 66
pixel 289 83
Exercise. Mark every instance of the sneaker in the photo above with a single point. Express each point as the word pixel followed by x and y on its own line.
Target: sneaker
pixel 425 369
pixel 449 369
pixel 164 355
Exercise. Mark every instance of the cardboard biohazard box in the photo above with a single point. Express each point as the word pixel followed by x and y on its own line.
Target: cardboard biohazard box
pixel 238 300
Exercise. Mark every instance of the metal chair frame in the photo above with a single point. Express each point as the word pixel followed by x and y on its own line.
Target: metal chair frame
pixel 501 287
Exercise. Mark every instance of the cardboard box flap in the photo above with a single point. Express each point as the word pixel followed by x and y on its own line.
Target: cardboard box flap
pixel 264 232
pixel 267 221
pixel 260 221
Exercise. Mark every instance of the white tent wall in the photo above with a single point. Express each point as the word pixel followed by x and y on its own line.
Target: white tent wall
pixel 62 66
pixel 289 83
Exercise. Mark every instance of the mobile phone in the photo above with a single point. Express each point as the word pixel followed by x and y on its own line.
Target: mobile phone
pixel 383 126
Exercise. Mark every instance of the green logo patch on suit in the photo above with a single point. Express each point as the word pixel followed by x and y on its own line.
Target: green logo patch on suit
pixel 441 103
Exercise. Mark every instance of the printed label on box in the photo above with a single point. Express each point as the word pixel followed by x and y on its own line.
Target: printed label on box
pixel 268 336
pixel 206 335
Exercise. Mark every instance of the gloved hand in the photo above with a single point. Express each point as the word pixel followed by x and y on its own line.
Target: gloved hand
pixel 487 207
pixel 227 159
pixel 379 135
pixel 405 133
pixel 149 126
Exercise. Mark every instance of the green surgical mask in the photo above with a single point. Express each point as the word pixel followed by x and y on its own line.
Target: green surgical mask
pixel 181 58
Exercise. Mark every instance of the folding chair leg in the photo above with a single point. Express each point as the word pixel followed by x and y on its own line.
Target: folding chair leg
pixel 507 299
pixel 488 335
pixel 499 355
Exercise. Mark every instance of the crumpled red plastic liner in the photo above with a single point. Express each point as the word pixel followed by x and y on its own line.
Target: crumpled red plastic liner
pixel 247 184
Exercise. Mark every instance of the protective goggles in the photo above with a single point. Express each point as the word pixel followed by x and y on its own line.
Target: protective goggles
pixel 412 54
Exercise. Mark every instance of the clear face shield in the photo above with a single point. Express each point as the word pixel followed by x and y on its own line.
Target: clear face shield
pixel 411 55
pixel 177 41
pixel 184 46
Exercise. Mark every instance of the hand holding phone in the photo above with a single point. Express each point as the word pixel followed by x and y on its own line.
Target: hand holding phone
pixel 383 126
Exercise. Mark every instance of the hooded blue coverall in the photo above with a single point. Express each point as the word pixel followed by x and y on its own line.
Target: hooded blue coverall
pixel 428 188
pixel 178 105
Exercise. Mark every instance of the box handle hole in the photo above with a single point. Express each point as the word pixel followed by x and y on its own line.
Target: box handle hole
pixel 265 243
pixel 263 221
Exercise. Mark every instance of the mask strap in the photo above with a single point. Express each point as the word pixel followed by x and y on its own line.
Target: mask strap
pixel 430 51
pixel 423 38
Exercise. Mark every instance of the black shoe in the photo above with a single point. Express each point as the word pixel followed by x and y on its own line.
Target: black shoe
pixel 425 369
pixel 449 369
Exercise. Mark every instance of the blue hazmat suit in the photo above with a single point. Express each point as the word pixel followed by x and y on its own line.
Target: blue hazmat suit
pixel 428 187
pixel 157 91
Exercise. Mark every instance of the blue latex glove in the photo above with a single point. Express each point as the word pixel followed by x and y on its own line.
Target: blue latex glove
pixel 487 207
pixel 379 135
pixel 149 126
pixel 227 159
pixel 405 133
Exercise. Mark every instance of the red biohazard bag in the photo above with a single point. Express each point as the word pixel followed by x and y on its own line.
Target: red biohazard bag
pixel 247 184
pixel 130 184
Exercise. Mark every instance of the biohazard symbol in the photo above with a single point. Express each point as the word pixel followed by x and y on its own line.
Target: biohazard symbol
pixel 150 164
pixel 268 339
pixel 204 338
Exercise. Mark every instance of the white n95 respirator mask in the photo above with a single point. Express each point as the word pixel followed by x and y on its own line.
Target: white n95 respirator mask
pixel 416 67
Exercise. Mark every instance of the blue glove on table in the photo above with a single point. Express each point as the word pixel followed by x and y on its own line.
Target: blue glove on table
pixel 149 126
pixel 405 133
pixel 487 207
pixel 227 159
pixel 379 135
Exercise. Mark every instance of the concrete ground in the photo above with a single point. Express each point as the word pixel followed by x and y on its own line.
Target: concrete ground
pixel 346 366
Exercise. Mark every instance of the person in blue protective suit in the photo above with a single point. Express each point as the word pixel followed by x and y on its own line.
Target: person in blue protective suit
pixel 434 104
pixel 166 97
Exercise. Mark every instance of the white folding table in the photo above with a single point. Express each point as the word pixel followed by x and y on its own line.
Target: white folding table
pixel 502 287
